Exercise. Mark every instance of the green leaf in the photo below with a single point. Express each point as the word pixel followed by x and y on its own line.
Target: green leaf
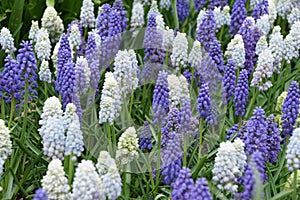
pixel 15 19
pixel 282 195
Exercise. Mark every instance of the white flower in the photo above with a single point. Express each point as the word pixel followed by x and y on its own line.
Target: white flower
pixel 168 38
pixel 54 56
pixel 293 151
pixel 5 145
pixel 261 45
pixel 43 45
pixel 75 37
pixel 45 73
pixel 179 55
pixel 106 163
pixel 277 46
pixel 87 183
pixel 253 4
pixel 87 17
pixel 137 17
pixel 110 105
pixel 236 51
pixel 272 11
pixel 33 30
pixel 284 7
pixel 229 165
pixel 69 115
pixel 195 56
pixel 52 23
pixel 165 4
pixel 222 17
pixel 263 71
pixel 178 87
pixel 127 147
pixel 83 75
pixel 200 17
pixel 7 41
pixel 55 183
pixel 292 42
pixel 111 185
pixel 125 70
pixel 263 24
pixel 294 15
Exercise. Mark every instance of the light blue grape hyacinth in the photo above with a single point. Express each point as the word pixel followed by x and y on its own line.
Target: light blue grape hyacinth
pixel 55 183
pixel 42 46
pixel 45 73
pixel 236 51
pixel 82 74
pixel 277 46
pixel 87 17
pixel 137 17
pixel 33 30
pixel 179 55
pixel 195 55
pixel 87 183
pixel 6 41
pixel 75 37
pixel 293 151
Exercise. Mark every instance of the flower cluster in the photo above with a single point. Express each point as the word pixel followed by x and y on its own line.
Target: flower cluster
pixel 33 30
pixel 195 55
pixel 229 80
pixel 179 55
pixel 87 18
pixel 292 42
pixel 236 51
pixel 82 74
pixel 261 45
pixel 222 16
pixel 43 44
pixel 183 10
pixel 292 152
pixel 171 126
pixel 40 194
pixel 75 37
pixel 204 102
pixel 145 139
pixel 45 73
pixel 137 17
pixel 277 46
pixel 241 94
pixel 178 88
pixel 5 145
pixel 238 15
pixel 7 41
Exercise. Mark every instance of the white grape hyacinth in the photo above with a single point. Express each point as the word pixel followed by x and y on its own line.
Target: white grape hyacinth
pixel 87 17
pixel 43 45
pixel 75 37
pixel 277 46
pixel 195 56
pixel 236 51
pixel 137 17
pixel 33 30
pixel 294 15
pixel 263 24
pixel 179 56
pixel 44 72
pixel 261 45
pixel 293 151
pixel 7 40
pixel 222 17
pixel 168 38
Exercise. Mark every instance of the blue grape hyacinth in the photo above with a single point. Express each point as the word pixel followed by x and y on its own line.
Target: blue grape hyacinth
pixel 241 94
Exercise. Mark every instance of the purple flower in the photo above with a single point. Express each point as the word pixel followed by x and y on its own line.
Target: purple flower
pixel 238 15
pixel 274 139
pixel 171 125
pixel 64 56
pixel 183 187
pixel 229 79
pixel 68 81
pixel 217 3
pixel 233 130
pixel 183 10
pixel 260 9
pixel 204 102
pixel 199 4
pixel 206 30
pixel 40 194
pixel 188 76
pixel 290 109
pixel 172 159
pixel 185 115
pixel 145 141
pixel 160 101
pixel 119 7
pixel 216 54
pixel 26 65
pixel 201 190
pixel 241 94
pixel 91 54
pixel 10 81
pixel 250 37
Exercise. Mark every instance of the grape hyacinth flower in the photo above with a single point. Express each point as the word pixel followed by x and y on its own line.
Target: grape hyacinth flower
pixel 201 189
pixel 127 147
pixel 199 4
pixel 263 71
pixel 274 139
pixel 248 33
pixel 261 45
pixel 206 30
pixel 238 15
pixel 172 158
pixel 54 57
pixel 178 87
pixel 54 138
pixel 82 74
pixel 277 46
pixel 216 54
pixel 260 9
pixel 280 101
pixel 217 3
pixel 92 56
pixel 290 109
pixel 105 163
pixel 110 104
pixel 43 45
pixel 118 6
pixel 292 152
pixel 75 37
pixel 5 145
pixel 241 94
pixel 229 165
pixel 74 140
pixel 26 64
pixel 137 17
pixel 145 139
pixel 229 79
pixel 222 17
pixel 204 102
pixel 10 81
pixel 160 98
pixel 54 182
pixel 125 71
pixel 185 115
pixel 179 55
pixel 183 187
pixel 45 73
pixel 171 125
pixel 69 115
pixel 68 84
pixel 284 7
pixel 294 15
pixel 40 194
pixel 236 51
pixel 7 40
pixel 52 23
pixel 87 17
pixel 292 41
pixel 263 24
pixel 165 4
pixel 168 39
pixel 86 184
pixel 195 56
pixel 183 10
pixel 64 56
pixel 200 18
pixel 33 30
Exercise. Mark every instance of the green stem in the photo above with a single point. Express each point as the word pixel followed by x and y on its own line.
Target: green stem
pixel 240 122
pixel 184 150
pixel 150 171
pixel 158 158
pixel 110 148
pixel 25 110
pixel 200 138
pixel 71 170
pixel 2 109
pixel 12 108
pixel 295 185
pixel 174 2
pixel 131 102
